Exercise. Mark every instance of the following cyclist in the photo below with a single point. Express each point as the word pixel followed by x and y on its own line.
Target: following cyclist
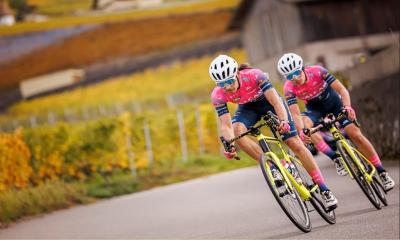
pixel 323 94
pixel 251 89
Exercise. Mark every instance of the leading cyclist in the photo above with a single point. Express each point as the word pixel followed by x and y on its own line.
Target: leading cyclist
pixel 251 89
pixel 323 94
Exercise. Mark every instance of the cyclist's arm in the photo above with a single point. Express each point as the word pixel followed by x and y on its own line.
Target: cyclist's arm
pixel 274 99
pixel 296 114
pixel 226 126
pixel 342 91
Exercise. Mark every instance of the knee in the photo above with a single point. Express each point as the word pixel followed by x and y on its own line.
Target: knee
pixel 238 129
pixel 308 123
pixel 356 136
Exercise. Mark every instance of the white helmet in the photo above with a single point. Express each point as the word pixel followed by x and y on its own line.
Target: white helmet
pixel 223 68
pixel 289 63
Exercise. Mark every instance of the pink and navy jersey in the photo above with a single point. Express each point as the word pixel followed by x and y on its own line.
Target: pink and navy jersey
pixel 252 85
pixel 317 84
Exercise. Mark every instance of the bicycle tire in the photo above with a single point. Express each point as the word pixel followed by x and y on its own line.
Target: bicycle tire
pixel 379 190
pixel 358 176
pixel 266 170
pixel 376 184
pixel 328 216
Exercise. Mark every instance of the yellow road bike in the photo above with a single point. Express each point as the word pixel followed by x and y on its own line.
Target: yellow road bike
pixel 287 179
pixel 358 166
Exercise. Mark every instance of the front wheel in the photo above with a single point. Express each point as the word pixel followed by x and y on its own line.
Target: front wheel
pixel 379 190
pixel 288 199
pixel 316 198
pixel 358 175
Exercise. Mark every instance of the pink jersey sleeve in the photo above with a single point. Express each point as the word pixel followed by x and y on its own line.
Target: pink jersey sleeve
pixel 219 101
pixel 289 94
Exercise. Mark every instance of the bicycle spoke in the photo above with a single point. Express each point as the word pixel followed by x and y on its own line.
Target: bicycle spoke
pixel 289 200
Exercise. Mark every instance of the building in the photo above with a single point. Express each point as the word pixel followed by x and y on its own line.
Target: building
pixel 333 33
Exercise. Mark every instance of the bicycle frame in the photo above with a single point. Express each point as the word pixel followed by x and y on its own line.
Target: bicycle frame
pixel 339 138
pixel 263 141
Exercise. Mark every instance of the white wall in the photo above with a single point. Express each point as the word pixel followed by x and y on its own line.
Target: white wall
pixel 339 54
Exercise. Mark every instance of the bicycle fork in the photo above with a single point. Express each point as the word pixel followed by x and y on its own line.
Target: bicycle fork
pixel 289 179
pixel 351 151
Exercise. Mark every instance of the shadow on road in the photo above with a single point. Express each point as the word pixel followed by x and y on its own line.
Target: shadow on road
pixel 357 212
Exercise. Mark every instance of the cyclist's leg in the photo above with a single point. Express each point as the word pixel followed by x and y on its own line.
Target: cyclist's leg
pixel 356 136
pixel 368 150
pixel 243 119
pixel 293 141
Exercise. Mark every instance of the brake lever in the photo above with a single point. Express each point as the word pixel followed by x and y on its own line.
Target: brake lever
pixel 227 146
pixel 307 132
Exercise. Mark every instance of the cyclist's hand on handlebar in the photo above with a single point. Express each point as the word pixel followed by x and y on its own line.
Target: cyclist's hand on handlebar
pixel 231 154
pixel 350 113
pixel 284 127
pixel 304 137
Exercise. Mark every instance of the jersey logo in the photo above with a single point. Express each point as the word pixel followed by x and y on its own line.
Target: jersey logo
pixel 246 79
pixel 236 99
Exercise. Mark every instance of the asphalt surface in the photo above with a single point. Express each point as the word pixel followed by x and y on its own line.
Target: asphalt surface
pixel 232 205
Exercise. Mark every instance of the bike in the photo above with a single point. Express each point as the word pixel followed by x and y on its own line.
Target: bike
pixel 358 166
pixel 291 186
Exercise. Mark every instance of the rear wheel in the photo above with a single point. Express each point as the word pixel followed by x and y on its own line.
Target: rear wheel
pixel 358 175
pixel 289 200
pixel 316 199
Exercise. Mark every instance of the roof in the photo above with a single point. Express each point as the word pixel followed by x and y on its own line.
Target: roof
pixel 241 14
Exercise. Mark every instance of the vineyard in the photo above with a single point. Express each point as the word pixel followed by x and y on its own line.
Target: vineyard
pixel 53 7
pixel 111 41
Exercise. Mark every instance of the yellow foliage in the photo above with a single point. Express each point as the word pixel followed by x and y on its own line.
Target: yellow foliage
pixel 15 169
pixel 76 151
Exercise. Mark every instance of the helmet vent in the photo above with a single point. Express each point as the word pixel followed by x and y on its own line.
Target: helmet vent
pixel 219 77
pixel 227 71
pixel 234 69
pixel 223 75
pixel 287 70
pixel 290 66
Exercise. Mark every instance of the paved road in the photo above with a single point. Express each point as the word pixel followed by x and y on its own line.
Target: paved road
pixel 236 204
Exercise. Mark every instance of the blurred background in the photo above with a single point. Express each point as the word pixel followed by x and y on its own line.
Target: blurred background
pixel 105 97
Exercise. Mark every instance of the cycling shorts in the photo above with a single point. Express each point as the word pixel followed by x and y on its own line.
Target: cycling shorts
pixel 250 113
pixel 317 109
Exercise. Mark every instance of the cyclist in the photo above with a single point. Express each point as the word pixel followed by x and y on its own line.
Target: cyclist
pixel 251 89
pixel 323 94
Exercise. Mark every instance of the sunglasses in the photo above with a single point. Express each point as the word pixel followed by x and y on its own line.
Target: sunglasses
pixel 293 75
pixel 226 83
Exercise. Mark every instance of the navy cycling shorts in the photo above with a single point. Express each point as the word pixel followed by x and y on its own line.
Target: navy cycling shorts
pixel 250 113
pixel 316 110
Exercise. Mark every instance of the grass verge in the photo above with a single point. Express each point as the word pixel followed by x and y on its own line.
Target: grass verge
pixel 16 204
